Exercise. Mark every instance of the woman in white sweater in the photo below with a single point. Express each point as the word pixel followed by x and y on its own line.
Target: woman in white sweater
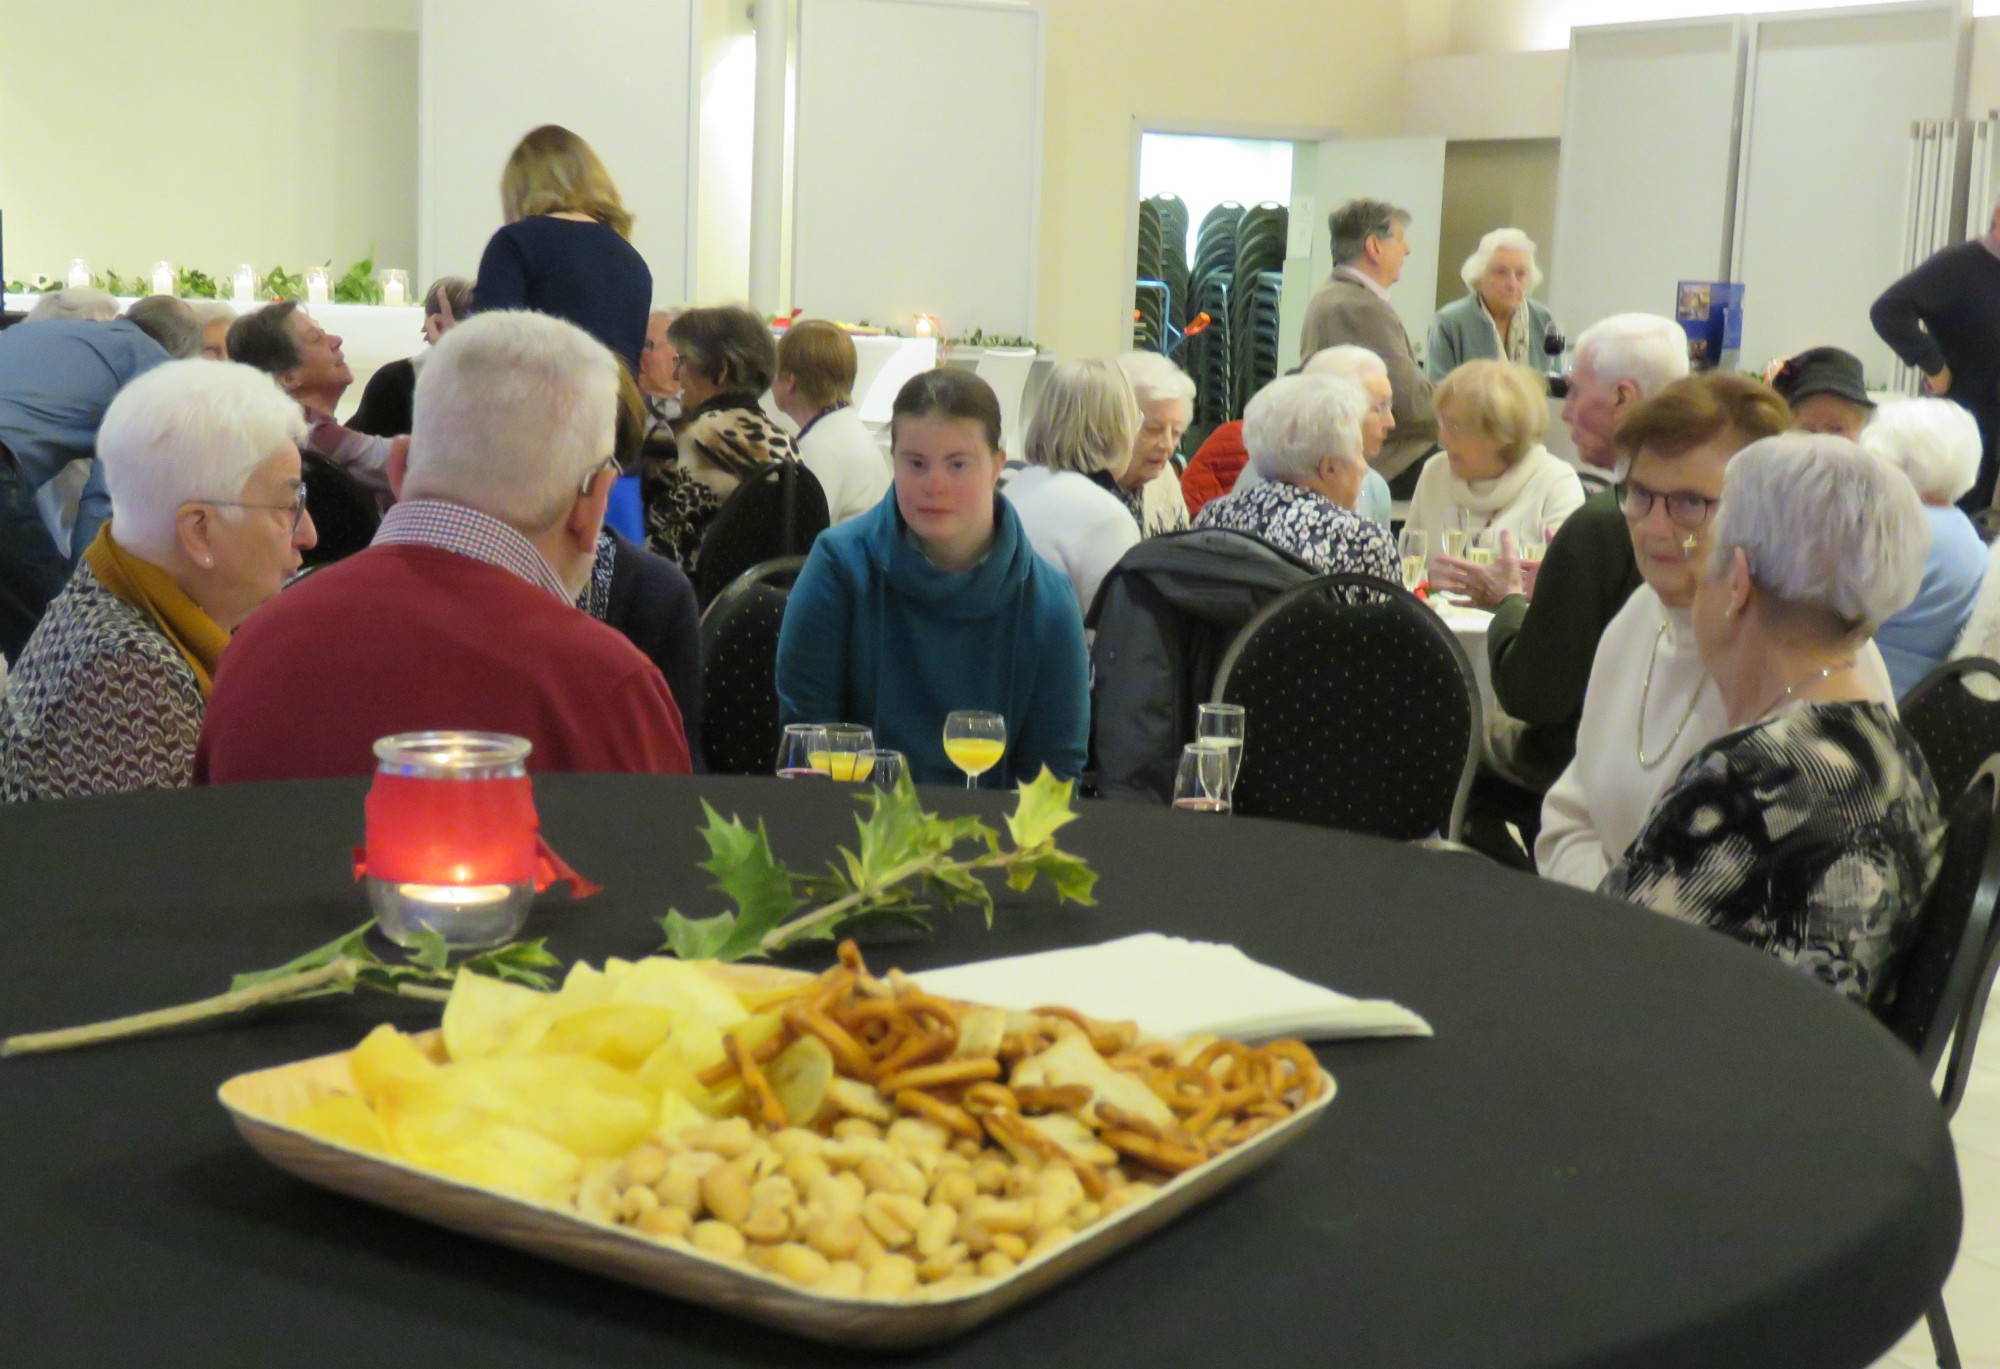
pixel 1494 474
pixel 1077 443
pixel 815 389
pixel 1651 705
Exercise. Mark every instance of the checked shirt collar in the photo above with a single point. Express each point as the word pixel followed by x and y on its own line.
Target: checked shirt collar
pixel 468 532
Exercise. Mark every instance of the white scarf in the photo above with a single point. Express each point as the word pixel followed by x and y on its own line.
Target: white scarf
pixel 1514 345
pixel 1488 497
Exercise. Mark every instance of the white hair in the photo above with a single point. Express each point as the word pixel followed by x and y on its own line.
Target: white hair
pixel 1296 422
pixel 1154 378
pixel 207 311
pixel 1933 441
pixel 1345 362
pixel 1823 525
pixel 512 411
pixel 1646 349
pixel 80 302
pixel 184 432
pixel 1482 256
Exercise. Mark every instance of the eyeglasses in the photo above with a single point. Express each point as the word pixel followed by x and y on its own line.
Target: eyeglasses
pixel 1684 508
pixel 609 463
pixel 297 508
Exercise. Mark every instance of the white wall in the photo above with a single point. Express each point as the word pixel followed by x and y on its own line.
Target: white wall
pixel 1516 25
pixel 1463 97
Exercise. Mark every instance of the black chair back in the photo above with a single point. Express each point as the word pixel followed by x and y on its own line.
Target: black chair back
pixel 1954 714
pixel 1362 711
pixel 344 512
pixel 739 653
pixel 1947 970
pixel 775 513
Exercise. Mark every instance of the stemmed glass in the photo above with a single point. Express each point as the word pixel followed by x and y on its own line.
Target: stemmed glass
pixel 1415 544
pixel 840 759
pixel 1202 783
pixel 1221 725
pixel 801 742
pixel 1455 532
pixel 883 769
pixel 974 741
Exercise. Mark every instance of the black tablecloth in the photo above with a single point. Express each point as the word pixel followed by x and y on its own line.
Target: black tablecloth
pixel 1631 1143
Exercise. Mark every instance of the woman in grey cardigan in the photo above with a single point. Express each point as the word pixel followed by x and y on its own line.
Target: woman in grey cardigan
pixel 1497 319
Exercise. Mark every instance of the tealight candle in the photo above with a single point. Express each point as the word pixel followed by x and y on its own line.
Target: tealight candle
pixel 78 277
pixel 316 286
pixel 924 325
pixel 243 285
pixel 395 289
pixel 163 278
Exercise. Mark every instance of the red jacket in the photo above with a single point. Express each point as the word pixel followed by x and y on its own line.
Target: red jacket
pixel 409 638
pixel 1213 471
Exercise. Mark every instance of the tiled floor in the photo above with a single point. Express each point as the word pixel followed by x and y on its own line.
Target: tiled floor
pixel 1972 1294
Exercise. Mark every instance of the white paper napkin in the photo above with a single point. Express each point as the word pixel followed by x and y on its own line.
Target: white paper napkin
pixel 1173 987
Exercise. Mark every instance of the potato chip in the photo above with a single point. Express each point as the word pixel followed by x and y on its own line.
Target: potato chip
pixel 482 1013
pixel 345 1120
pixel 384 1057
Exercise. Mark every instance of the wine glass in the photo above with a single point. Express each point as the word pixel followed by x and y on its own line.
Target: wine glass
pixel 974 741
pixel 845 743
pixel 797 748
pixel 1222 725
pixel 1415 544
pixel 1455 535
pixel 1479 548
pixel 1202 783
pixel 883 769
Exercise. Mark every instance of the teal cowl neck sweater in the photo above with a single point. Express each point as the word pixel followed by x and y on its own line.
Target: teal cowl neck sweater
pixel 874 633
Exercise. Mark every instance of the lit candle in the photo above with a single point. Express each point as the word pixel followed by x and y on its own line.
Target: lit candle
pixel 395 290
pixel 455 896
pixel 79 274
pixel 244 284
pixel 163 278
pixel 923 325
pixel 316 286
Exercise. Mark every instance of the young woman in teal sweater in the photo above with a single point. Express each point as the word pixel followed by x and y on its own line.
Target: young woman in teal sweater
pixel 934 601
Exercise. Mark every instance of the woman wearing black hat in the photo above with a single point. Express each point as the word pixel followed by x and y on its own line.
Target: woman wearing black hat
pixel 1825 388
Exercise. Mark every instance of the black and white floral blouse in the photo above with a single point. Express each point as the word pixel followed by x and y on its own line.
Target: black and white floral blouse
pixel 1311 527
pixel 1813 834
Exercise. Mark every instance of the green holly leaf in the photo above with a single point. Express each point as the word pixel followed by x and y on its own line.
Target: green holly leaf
pixel 745 870
pixel 1043 809
pixel 353 946
pixel 895 832
pixel 1072 877
pixel 957 886
pixel 698 938
pixel 430 953
pixel 518 962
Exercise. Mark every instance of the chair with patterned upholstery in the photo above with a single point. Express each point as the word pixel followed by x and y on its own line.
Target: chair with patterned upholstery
pixel 1362 711
pixel 739 654
pixel 775 513
pixel 1954 715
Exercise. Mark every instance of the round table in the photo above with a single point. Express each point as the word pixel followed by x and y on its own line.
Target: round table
pixel 1469 625
pixel 1631 1143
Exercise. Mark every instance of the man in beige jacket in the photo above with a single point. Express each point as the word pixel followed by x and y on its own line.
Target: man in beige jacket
pixel 1353 307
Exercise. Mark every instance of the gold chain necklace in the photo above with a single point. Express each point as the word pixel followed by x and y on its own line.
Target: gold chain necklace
pixel 1645 696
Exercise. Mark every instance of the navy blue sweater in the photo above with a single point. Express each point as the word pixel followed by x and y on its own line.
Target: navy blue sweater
pixel 583 272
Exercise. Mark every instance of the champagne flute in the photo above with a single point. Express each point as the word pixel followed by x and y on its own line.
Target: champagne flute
pixel 797 748
pixel 974 741
pixel 1454 532
pixel 845 743
pixel 1222 725
pixel 883 769
pixel 1202 783
pixel 1415 544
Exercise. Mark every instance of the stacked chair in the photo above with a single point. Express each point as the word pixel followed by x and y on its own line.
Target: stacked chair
pixel 1211 286
pixel 1255 291
pixel 1150 292
pixel 1173 214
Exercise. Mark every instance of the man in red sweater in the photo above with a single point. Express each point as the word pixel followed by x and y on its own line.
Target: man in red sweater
pixel 462 613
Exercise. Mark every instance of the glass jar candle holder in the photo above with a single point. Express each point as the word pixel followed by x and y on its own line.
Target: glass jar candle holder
pixel 451 837
pixel 395 289
pixel 164 278
pixel 318 287
pixel 243 284
pixel 78 275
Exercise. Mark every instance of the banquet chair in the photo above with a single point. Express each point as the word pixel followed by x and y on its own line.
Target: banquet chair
pixel 1954 715
pixel 739 672
pixel 776 512
pixel 344 513
pixel 1362 711
pixel 1947 971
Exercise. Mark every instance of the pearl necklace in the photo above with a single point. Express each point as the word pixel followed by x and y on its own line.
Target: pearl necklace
pixel 1645 696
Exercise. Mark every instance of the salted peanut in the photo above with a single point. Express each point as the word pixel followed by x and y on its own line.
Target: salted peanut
pixel 681 1190
pixel 965 1281
pixel 954 1189
pixel 892 1276
pixel 941 1265
pixel 664 1223
pixel 835 1235
pixel 725 1192
pixel 767 1223
pixel 1122 1197
pixel 856 1128
pixel 991 1173
pixel 729 1138
pixel 717 1238
pixel 1021 1183
pixel 1011 1215
pixel 802 1170
pixel 1083 1214
pixel 969 1148
pixel 646 1164
pixel 870 1252
pixel 635 1201
pixel 693 1162
pixel 1057 1191
pixel 996 1264
pixel 761 1163
pixel 597 1193
pixel 893 1217
pixel 935 1231
pixel 837 1193
pixel 1012 1246
pixel 886 1174
pixel 912 1134
pixel 857 1099
pixel 775 1188
pixel 793 1142
pixel 843 1280
pixel 1049 1240
pixel 801 1264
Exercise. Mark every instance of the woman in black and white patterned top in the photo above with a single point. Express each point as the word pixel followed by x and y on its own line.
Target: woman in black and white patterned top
pixel 1303 435
pixel 1811 829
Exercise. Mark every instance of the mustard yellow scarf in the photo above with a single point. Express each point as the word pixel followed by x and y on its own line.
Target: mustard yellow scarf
pixel 152 591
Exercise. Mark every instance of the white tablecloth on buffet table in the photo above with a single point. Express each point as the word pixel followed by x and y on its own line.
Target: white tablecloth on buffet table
pixel 1469 626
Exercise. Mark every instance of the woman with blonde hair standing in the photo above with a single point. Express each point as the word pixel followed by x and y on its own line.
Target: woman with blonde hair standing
pixel 565 247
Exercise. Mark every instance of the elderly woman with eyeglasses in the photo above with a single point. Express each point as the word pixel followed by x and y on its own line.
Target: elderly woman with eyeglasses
pixel 1810 828
pixel 207 522
pixel 1651 704
pixel 1496 320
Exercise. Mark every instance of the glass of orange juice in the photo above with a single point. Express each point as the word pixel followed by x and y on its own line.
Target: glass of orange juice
pixel 974 742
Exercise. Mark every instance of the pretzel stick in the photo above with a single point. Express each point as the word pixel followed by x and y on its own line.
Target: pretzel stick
pixel 1165 1156
pixel 725 1068
pixel 755 1085
pixel 848 1054
pixel 948 1115
pixel 950 1072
